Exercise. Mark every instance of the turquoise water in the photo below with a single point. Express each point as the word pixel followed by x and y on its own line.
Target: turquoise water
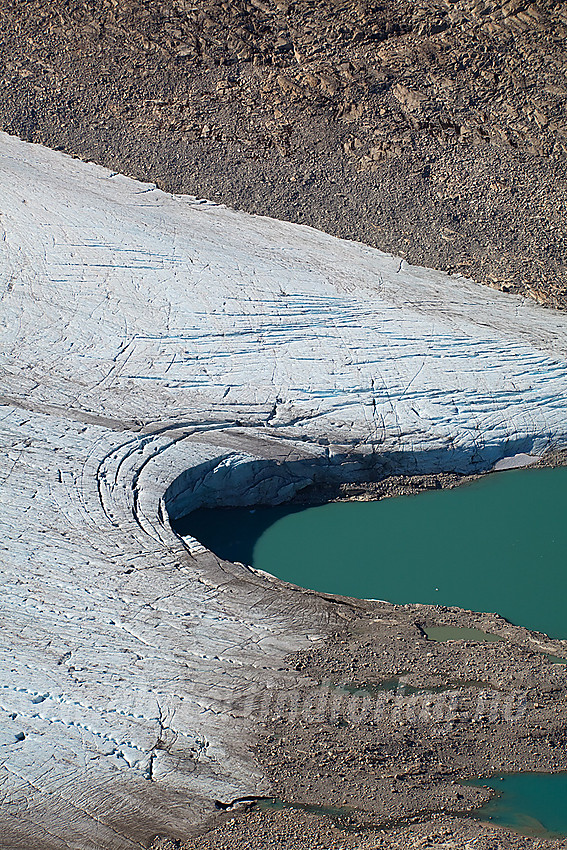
pixel 532 803
pixel 497 544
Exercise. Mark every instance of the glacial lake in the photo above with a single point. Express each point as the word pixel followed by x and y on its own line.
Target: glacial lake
pixel 498 544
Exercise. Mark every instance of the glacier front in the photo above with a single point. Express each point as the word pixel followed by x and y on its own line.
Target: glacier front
pixel 160 353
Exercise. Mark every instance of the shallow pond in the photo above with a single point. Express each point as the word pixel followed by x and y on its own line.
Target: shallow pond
pixel 532 803
pixel 496 544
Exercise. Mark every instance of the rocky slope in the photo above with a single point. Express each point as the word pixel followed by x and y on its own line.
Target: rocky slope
pixel 436 130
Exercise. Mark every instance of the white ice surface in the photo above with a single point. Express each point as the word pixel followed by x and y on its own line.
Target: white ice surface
pixel 144 334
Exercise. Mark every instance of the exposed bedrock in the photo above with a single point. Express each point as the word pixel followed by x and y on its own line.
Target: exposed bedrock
pixel 161 353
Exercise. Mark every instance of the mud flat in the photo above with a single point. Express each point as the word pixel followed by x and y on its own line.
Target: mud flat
pixel 163 353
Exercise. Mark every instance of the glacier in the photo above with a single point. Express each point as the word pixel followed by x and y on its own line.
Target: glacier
pixel 162 352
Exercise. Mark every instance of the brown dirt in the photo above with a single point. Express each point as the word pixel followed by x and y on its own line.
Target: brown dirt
pixel 292 830
pixel 436 130
pixel 365 767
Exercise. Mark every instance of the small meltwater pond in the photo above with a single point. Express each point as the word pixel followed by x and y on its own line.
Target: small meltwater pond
pixel 531 803
pixel 497 544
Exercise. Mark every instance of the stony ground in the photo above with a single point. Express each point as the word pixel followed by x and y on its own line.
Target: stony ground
pixel 436 130
pixel 284 830
pixel 371 766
